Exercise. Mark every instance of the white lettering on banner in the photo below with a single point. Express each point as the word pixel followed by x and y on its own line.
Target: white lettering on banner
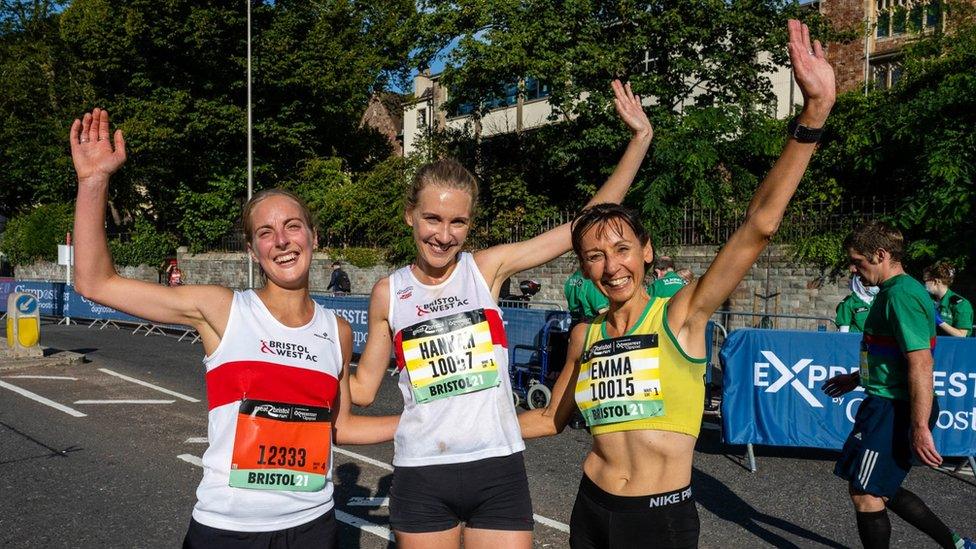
pixel 354 316
pixel 850 408
pixel 815 373
pixel 959 383
pixel 960 421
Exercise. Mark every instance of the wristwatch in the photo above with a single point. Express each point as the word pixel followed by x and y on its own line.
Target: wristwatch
pixel 803 134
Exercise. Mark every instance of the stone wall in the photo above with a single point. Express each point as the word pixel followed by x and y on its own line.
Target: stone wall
pixel 801 289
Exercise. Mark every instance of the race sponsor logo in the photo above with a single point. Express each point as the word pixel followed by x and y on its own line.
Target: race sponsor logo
pixel 441 304
pixel 280 412
pixel 801 377
pixel 287 350
pixel 405 293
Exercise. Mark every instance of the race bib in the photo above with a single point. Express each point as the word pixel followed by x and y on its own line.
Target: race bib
pixel 280 446
pixel 449 356
pixel 619 380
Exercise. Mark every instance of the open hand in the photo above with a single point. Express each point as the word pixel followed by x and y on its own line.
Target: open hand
pixel 630 110
pixel 93 155
pixel 812 72
pixel 924 447
pixel 841 385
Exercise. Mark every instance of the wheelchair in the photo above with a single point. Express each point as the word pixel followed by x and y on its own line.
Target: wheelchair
pixel 534 369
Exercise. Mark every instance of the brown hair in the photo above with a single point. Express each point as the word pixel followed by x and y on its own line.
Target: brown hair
pixel 246 214
pixel 445 172
pixel 604 215
pixel 942 271
pixel 876 235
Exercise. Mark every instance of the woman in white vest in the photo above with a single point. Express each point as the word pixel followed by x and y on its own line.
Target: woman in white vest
pixel 458 450
pixel 276 364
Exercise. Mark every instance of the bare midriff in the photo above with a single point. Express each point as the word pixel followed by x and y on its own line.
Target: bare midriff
pixel 640 463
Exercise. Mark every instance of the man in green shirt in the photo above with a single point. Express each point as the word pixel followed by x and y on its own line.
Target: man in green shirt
pixel 852 311
pixel 955 316
pixel 583 298
pixel 666 281
pixel 895 419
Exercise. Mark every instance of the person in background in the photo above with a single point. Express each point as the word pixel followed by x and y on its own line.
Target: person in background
pixel 852 311
pixel 583 298
pixel 686 274
pixel 666 281
pixel 896 417
pixel 954 313
pixel 339 282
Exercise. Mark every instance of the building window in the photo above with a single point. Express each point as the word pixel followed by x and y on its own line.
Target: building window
pixel 422 117
pixel 885 74
pixel 933 11
pixel 896 17
pixel 535 89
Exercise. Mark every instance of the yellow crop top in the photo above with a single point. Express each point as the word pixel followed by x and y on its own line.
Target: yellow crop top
pixel 641 380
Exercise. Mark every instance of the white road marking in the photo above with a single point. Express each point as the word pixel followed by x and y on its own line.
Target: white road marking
pixel 191 459
pixel 351 520
pixel 555 524
pixel 66 378
pixel 46 401
pixel 361 457
pixel 150 385
pixel 368 502
pixel 196 440
pixel 365 525
pixel 125 401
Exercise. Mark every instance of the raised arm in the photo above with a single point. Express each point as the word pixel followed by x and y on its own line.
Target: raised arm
pixel 691 307
pixel 379 344
pixel 552 419
pixel 347 427
pixel 95 159
pixel 500 262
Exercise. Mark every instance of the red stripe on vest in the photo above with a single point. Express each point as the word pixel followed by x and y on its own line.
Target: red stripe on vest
pixel 398 349
pixel 232 381
pixel 498 336
pixel 889 341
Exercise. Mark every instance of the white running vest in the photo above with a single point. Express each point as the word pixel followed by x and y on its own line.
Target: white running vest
pixel 451 349
pixel 262 360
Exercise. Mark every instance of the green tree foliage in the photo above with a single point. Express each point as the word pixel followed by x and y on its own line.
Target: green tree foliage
pixel 172 75
pixel 914 145
pixel 144 246
pixel 35 234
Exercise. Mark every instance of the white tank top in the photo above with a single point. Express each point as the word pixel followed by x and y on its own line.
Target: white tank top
pixel 282 372
pixel 451 349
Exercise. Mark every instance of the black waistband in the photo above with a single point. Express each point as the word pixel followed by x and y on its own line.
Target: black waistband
pixel 626 503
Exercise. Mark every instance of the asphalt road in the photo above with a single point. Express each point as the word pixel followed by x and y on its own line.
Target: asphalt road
pixel 125 474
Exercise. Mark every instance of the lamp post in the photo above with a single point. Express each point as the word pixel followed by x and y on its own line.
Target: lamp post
pixel 250 178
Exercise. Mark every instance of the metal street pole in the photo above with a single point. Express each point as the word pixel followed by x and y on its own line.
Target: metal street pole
pixel 250 178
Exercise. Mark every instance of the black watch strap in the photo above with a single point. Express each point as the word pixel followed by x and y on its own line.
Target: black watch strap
pixel 803 134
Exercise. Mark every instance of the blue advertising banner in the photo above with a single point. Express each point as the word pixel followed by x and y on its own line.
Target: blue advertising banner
pixel 50 295
pixel 78 306
pixel 773 394
pixel 354 309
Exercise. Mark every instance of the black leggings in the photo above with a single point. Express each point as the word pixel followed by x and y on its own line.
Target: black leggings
pixel 605 521
pixel 321 533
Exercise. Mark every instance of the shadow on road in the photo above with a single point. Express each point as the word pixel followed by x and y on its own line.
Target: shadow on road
pixel 719 500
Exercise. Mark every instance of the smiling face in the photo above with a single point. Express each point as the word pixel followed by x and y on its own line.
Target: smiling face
pixel 282 241
pixel 613 257
pixel 440 219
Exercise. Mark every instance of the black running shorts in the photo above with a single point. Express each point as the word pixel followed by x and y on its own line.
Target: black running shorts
pixel 490 493
pixel 604 521
pixel 321 533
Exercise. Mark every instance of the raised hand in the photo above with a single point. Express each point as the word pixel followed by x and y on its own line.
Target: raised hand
pixel 630 110
pixel 93 155
pixel 813 74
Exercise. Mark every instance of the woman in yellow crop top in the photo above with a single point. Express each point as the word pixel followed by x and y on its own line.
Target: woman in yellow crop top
pixel 634 371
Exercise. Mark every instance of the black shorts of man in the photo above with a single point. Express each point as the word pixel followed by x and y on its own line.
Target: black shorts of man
pixel 896 417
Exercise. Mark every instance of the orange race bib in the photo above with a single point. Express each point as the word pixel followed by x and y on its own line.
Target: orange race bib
pixel 279 446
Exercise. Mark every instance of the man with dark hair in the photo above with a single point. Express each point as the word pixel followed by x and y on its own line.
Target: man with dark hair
pixel 339 282
pixel 896 417
pixel 666 281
